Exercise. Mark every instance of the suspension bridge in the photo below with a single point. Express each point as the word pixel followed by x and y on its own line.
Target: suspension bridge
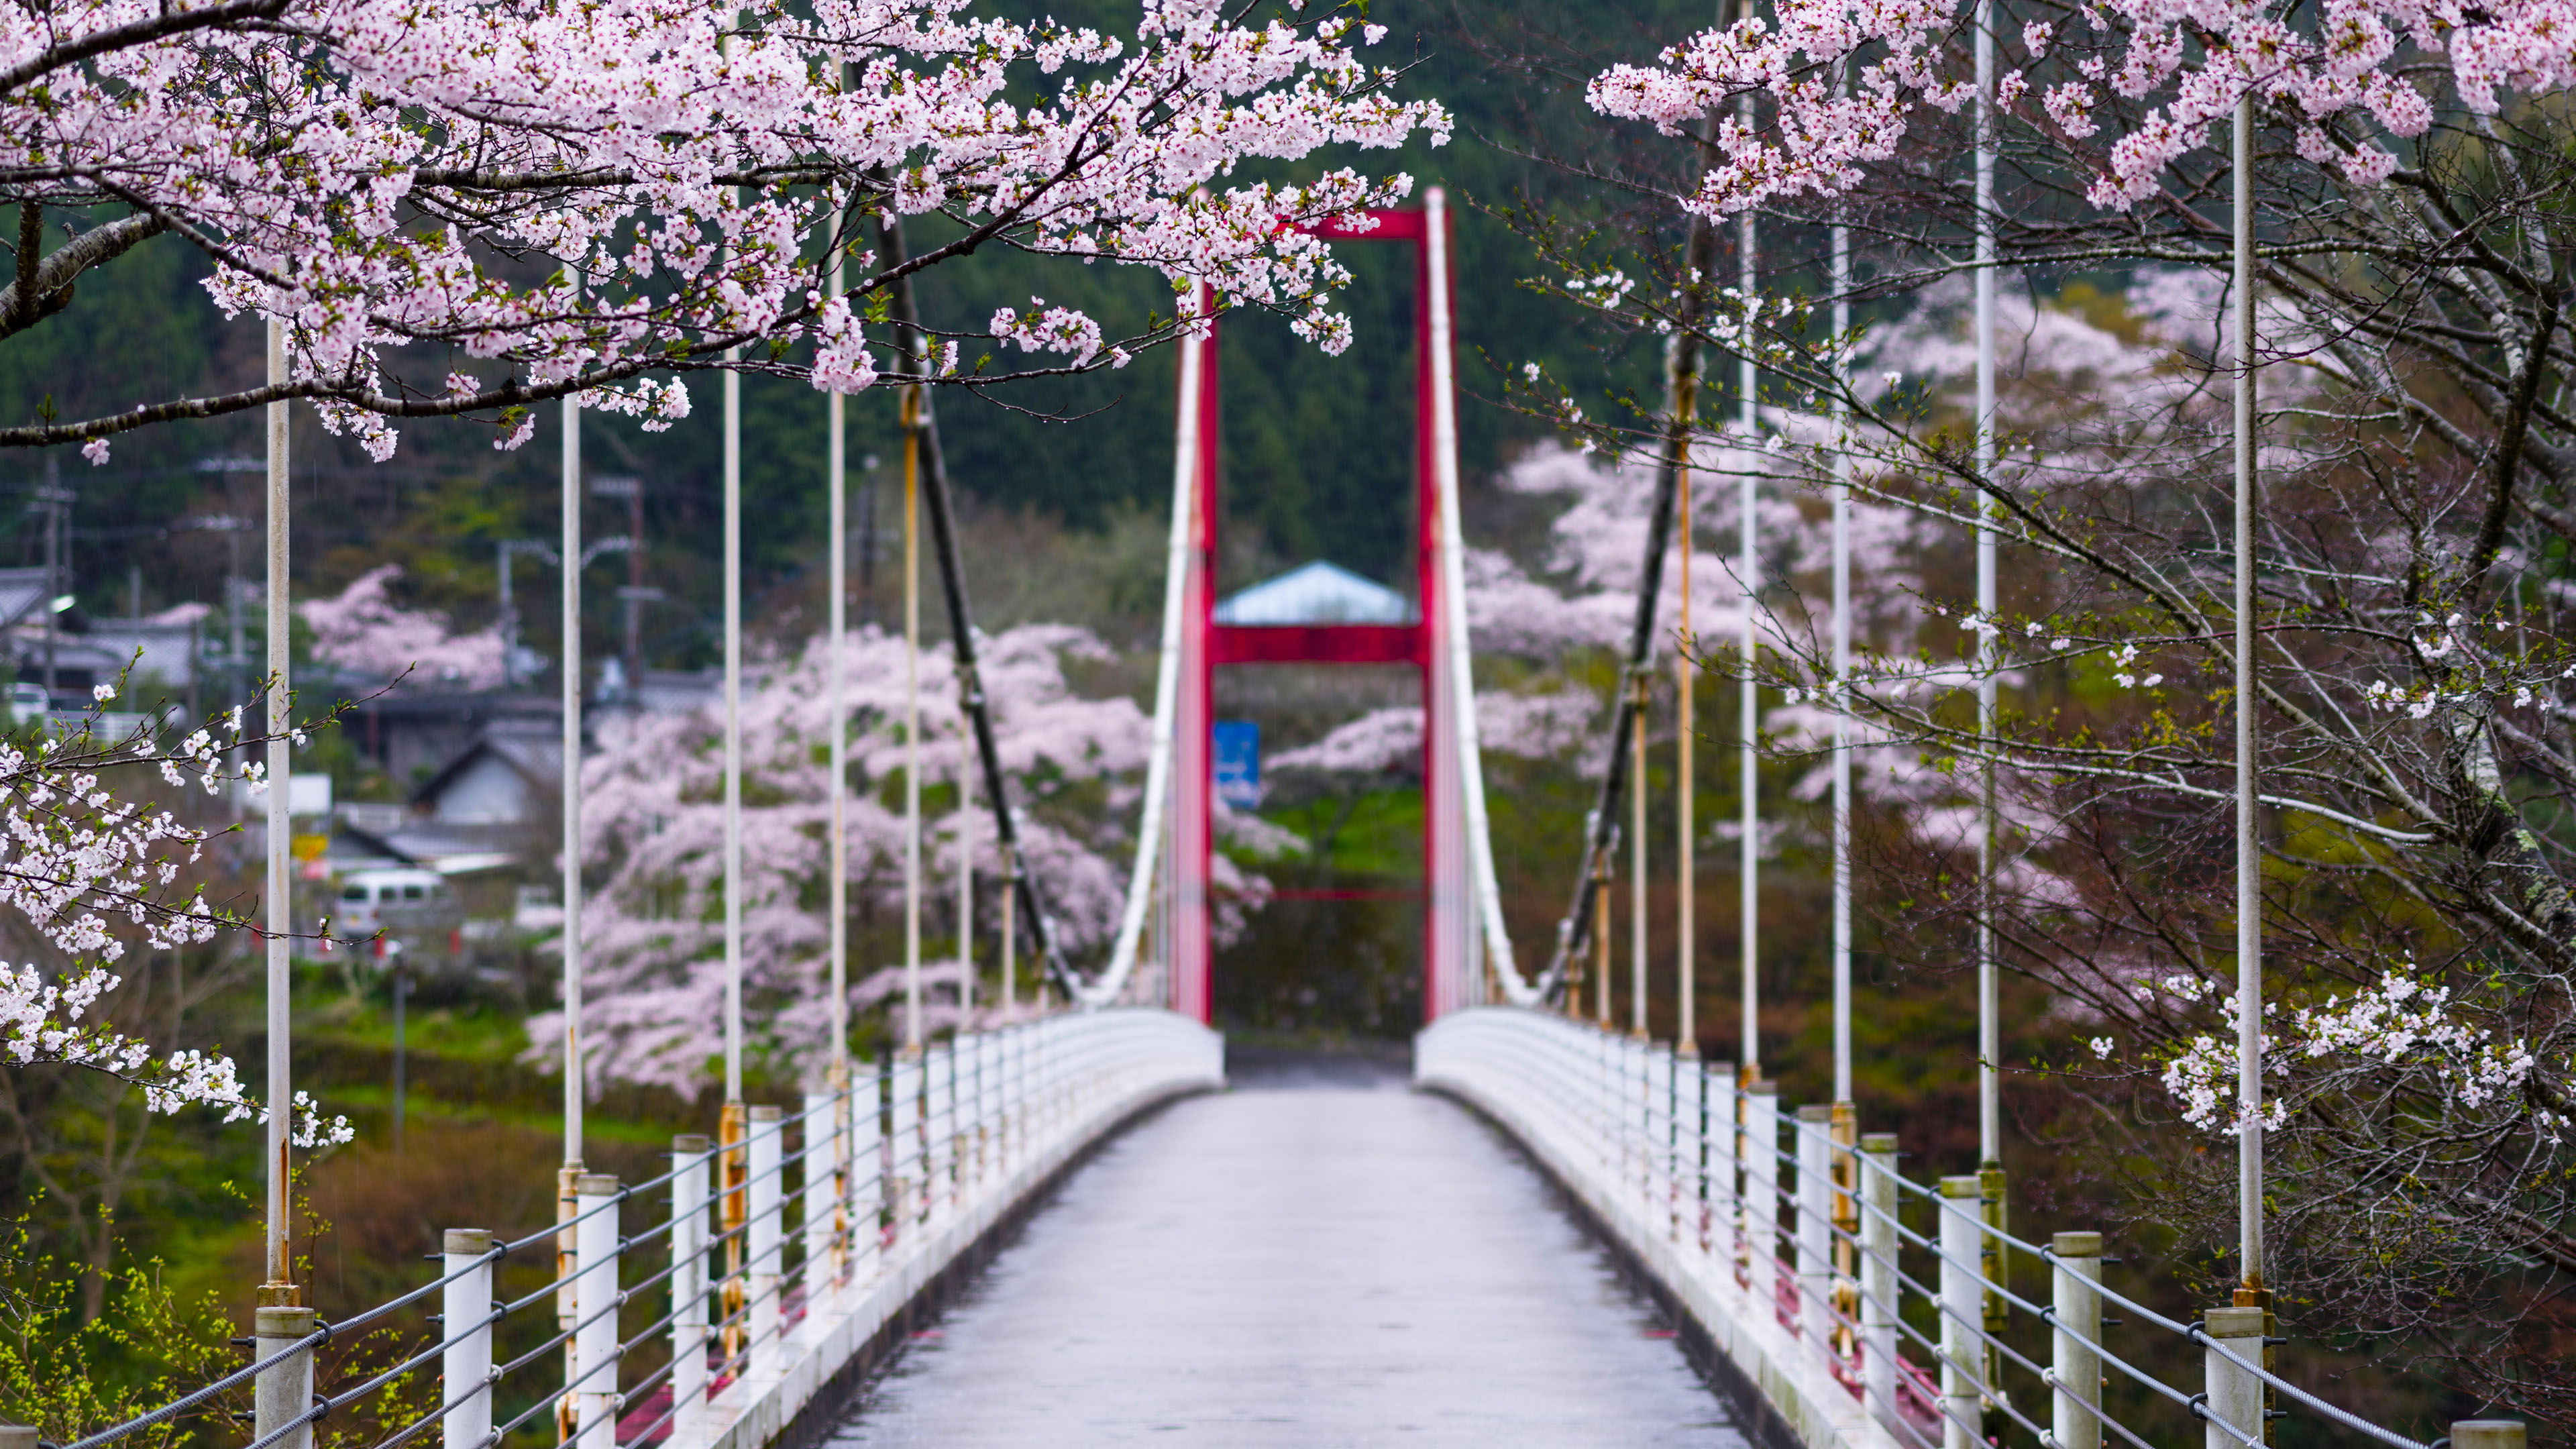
pixel 1334 1261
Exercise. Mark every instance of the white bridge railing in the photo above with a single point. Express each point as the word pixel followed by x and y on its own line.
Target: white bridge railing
pixel 775 1260
pixel 1866 1308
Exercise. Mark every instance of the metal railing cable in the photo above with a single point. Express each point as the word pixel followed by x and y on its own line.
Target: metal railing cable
pixel 1681 1152
pixel 870 1176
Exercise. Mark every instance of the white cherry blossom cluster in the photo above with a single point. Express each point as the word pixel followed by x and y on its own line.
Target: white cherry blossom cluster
pixel 75 861
pixel 305 1127
pixel 673 168
pixel 2474 671
pixel 2402 1022
pixel 2201 1079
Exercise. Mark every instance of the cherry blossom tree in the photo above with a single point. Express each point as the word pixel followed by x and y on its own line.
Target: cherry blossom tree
pixel 469 206
pixel 2413 527
pixel 654 827
pixel 363 631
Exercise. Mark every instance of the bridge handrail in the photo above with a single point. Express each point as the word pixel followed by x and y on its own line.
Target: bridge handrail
pixel 894 1170
pixel 1672 1156
pixel 2047 1254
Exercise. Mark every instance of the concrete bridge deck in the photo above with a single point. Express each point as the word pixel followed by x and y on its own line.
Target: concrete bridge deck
pixel 1318 1258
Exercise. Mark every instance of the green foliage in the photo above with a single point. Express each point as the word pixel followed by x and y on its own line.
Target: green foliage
pixel 69 1378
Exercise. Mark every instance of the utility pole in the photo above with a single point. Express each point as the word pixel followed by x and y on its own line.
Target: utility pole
pixel 52 499
pixel 634 596
pixel 510 548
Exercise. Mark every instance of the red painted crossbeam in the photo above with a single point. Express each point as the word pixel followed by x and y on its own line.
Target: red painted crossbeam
pixel 1320 644
pixel 1391 226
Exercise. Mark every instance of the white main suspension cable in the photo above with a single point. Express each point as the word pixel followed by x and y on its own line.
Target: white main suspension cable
pixel 1453 588
pixel 1167 678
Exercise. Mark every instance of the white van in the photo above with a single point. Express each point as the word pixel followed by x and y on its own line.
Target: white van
pixel 402 897
pixel 27 704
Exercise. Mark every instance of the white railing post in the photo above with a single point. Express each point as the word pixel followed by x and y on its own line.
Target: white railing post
pixel 939 1118
pixel 870 1177
pixel 1010 1047
pixel 1648 1104
pixel 1762 1199
pixel 1042 1049
pixel 2075 1356
pixel 822 1141
pixel 1963 1299
pixel 903 1150
pixel 1815 1226
pixel 1600 1122
pixel 845 1176
pixel 1041 1082
pixel 2235 1396
pixel 465 1366
pixel 1641 1120
pixel 594 1404
pixel 1695 1124
pixel 767 1241
pixel 1026 1086
pixel 981 1056
pixel 1059 1077
pixel 689 1190
pixel 1878 1271
pixel 961 1126
pixel 966 1053
pixel 1668 1139
pixel 283 1392
pixel 1725 1166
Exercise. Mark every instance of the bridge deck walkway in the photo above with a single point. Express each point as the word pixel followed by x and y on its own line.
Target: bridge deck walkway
pixel 1314 1259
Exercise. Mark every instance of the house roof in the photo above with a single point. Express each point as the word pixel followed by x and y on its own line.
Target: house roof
pixel 531 747
pixel 1319 593
pixel 21 591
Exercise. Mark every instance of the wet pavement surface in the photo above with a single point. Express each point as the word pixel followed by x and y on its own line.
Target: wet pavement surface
pixel 1320 1257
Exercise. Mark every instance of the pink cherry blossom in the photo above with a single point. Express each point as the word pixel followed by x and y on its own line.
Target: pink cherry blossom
pixel 2358 71
pixel 665 177
pixel 364 631
pixel 653 822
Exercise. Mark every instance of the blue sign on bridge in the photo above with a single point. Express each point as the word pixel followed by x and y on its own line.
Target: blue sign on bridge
pixel 1238 763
